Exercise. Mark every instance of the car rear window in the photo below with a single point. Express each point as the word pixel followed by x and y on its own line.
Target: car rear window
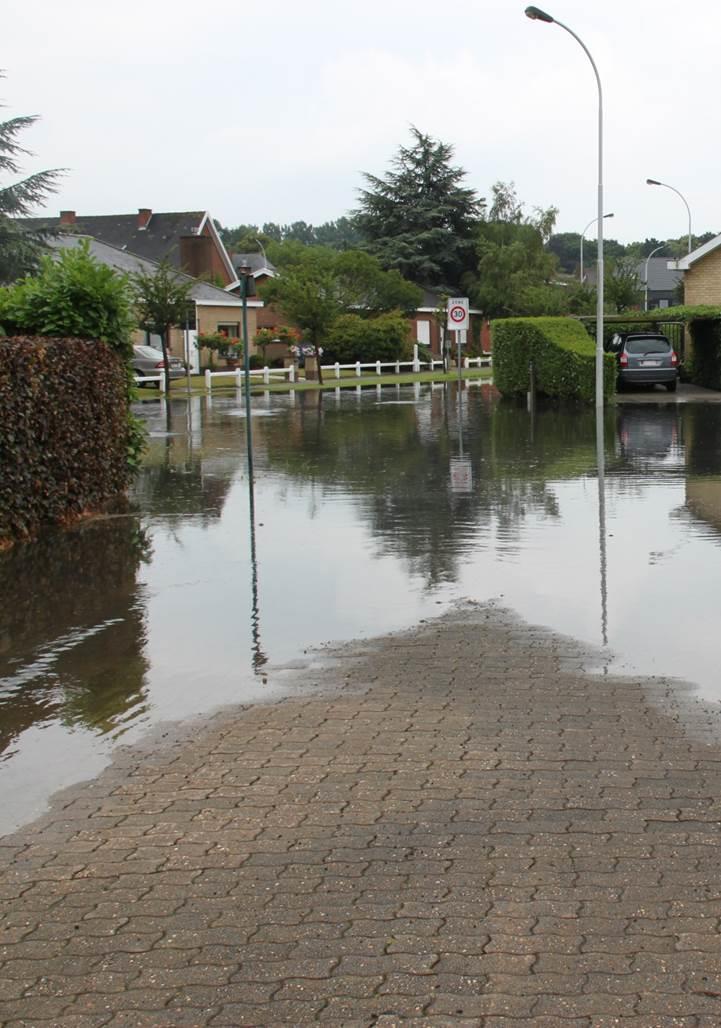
pixel 648 344
pixel 148 351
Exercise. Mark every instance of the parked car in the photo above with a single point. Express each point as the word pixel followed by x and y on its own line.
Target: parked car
pixel 645 358
pixel 149 361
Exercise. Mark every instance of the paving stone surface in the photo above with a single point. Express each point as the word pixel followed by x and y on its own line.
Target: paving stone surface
pixel 469 824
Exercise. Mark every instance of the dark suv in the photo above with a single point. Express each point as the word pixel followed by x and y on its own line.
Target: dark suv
pixel 645 358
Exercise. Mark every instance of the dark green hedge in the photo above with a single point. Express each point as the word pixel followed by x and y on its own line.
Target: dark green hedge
pixel 64 431
pixel 563 357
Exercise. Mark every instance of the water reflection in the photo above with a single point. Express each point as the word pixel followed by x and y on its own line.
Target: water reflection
pixel 368 511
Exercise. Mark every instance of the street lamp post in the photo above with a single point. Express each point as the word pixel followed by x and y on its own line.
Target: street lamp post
pixel 244 272
pixel 655 182
pixel 645 276
pixel 591 222
pixel 535 14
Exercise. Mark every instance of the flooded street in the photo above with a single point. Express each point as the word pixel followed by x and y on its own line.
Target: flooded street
pixel 371 511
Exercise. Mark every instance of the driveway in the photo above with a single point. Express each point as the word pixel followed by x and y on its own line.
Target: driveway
pixel 686 393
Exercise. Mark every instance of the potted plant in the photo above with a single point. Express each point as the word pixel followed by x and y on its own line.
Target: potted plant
pixel 218 342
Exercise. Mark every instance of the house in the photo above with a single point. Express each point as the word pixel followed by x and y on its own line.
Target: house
pixel 662 282
pixel 188 240
pixel 429 324
pixel 214 309
pixel 701 273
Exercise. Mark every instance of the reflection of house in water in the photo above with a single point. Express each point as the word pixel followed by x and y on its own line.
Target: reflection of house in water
pixel 73 632
pixel 703 499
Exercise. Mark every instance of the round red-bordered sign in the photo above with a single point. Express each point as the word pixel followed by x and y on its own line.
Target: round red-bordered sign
pixel 457 313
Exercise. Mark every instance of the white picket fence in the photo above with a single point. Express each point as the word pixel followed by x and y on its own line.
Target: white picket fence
pixel 160 379
pixel 267 375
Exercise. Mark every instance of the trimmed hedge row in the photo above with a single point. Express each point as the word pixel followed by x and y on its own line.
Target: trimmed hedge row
pixel 64 431
pixel 563 355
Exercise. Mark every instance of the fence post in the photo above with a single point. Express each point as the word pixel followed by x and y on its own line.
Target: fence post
pixel 416 362
pixel 337 369
pixel 466 363
pixel 357 369
pixel 378 368
pixel 208 380
pixel 238 378
pixel 266 375
pixel 398 367
pixel 291 373
pixel 161 384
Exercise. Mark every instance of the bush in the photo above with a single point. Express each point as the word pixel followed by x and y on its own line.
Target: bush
pixel 255 361
pixel 73 296
pixel 563 356
pixel 384 338
pixel 64 434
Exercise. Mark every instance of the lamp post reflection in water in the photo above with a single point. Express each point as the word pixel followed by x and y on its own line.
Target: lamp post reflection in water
pixel 601 471
pixel 259 658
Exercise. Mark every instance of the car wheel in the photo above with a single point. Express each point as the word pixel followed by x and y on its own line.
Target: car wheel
pixel 671 386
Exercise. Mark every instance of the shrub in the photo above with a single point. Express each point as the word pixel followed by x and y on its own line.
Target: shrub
pixel 384 338
pixel 563 356
pixel 64 434
pixel 73 296
pixel 255 361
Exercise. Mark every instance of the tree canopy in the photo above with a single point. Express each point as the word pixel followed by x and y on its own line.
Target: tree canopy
pixel 514 269
pixel 418 218
pixel 20 246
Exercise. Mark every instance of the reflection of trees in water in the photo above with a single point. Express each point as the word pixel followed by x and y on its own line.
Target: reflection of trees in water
pixel 73 632
pixel 400 471
pixel 176 481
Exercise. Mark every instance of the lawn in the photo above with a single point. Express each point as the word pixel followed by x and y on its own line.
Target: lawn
pixel 179 386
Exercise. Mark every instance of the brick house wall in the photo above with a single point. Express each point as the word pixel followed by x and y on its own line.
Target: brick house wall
pixel 702 282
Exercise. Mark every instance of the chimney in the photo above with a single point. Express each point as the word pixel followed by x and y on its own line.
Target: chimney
pixel 67 217
pixel 144 216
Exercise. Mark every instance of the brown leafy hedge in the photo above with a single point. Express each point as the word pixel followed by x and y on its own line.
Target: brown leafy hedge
pixel 63 431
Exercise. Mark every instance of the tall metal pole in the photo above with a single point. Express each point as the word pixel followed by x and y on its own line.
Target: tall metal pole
pixel 591 222
pixel 655 182
pixel 645 275
pixel 538 15
pixel 244 273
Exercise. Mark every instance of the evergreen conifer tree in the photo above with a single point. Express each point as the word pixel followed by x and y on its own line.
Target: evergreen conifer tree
pixel 419 218
pixel 20 245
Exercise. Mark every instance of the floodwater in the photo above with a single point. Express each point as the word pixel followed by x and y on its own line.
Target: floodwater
pixel 371 511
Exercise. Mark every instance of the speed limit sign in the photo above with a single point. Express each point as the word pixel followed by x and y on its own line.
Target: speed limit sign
pixel 458 316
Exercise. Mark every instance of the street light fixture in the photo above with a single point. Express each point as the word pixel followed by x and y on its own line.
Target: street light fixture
pixel 655 182
pixel 535 14
pixel 591 222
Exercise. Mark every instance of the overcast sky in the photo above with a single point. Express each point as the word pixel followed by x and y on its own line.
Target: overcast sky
pixel 272 111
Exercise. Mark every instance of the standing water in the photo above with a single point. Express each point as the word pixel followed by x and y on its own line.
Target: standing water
pixel 370 511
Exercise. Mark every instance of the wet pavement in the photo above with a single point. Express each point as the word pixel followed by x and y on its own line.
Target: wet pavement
pixel 457 825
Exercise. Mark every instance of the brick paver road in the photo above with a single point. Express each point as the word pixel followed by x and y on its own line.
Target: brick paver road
pixel 470 830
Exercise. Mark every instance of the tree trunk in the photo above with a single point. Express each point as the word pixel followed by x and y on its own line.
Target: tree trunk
pixel 166 368
pixel 317 360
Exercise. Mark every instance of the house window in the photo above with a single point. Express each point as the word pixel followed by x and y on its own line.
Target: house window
pixel 231 329
pixel 663 303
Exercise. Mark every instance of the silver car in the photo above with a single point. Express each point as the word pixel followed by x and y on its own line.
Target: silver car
pixel 149 361
pixel 646 358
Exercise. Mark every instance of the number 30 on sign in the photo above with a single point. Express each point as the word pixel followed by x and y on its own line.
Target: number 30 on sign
pixel 458 314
